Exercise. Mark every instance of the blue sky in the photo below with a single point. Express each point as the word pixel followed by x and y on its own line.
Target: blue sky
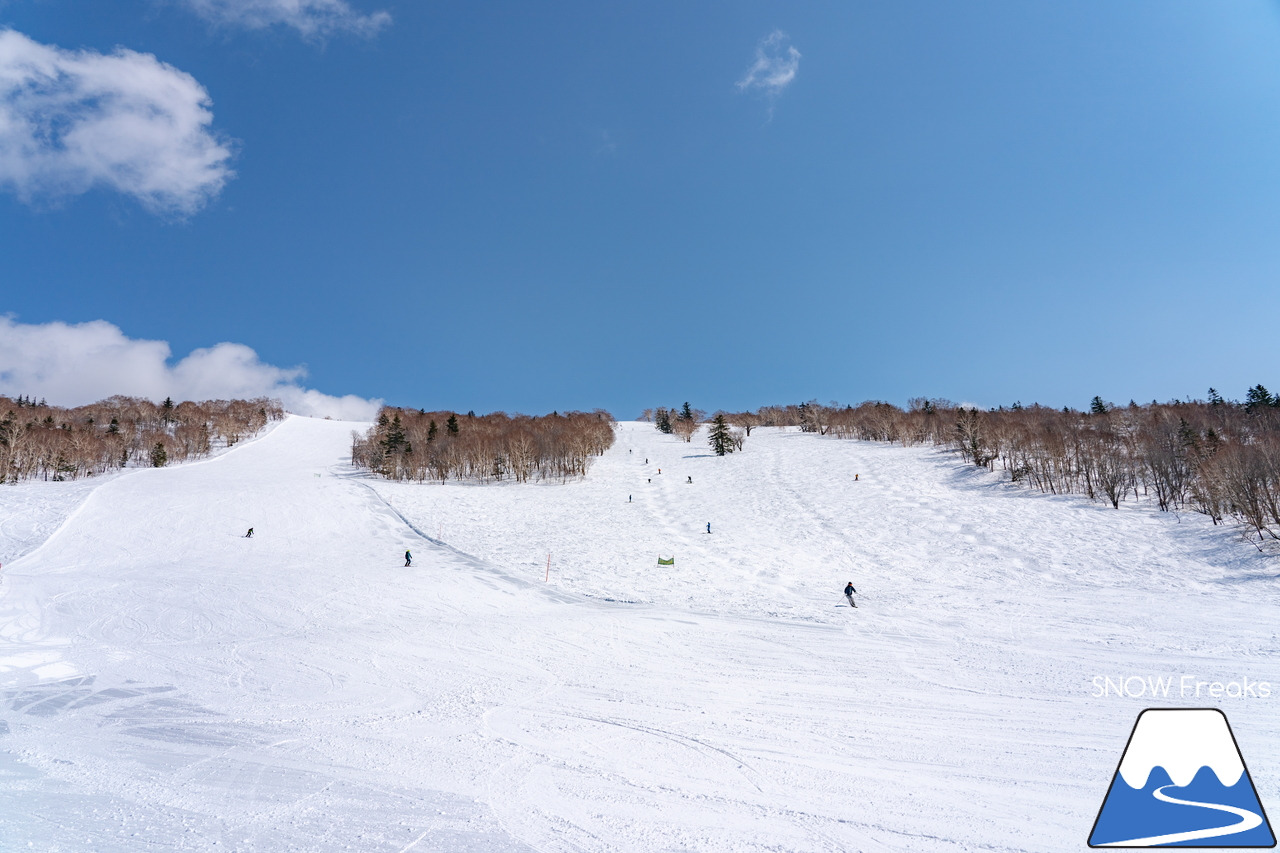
pixel 532 207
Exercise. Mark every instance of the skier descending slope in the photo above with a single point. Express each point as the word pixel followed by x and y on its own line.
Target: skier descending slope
pixel 408 558
pixel 848 593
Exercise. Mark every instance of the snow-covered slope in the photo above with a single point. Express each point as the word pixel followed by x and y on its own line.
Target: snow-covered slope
pixel 917 532
pixel 169 684
pixel 32 510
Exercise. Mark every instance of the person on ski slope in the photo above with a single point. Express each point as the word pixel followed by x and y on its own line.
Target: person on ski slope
pixel 848 593
pixel 249 535
pixel 708 527
pixel 408 558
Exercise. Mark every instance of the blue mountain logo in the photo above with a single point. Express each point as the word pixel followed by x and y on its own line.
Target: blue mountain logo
pixel 1182 783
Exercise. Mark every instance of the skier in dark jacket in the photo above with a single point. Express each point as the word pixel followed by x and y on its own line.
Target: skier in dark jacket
pixel 249 535
pixel 848 593
pixel 408 558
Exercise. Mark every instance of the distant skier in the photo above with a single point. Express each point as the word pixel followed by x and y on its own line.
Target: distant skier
pixel 708 527
pixel 855 478
pixel 408 558
pixel 690 478
pixel 848 593
pixel 249 535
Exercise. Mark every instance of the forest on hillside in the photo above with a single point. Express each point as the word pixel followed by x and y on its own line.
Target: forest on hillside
pixel 417 445
pixel 1215 456
pixel 56 443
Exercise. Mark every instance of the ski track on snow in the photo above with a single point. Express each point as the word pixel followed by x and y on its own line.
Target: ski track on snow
pixel 167 684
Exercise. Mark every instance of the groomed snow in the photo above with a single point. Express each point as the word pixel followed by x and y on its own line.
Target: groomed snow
pixel 169 684
pixel 31 511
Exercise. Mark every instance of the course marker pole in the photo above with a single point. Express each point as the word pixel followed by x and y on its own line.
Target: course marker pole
pixel 547 579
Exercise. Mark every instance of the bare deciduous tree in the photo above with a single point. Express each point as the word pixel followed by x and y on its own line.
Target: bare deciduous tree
pixel 53 442
pixel 403 445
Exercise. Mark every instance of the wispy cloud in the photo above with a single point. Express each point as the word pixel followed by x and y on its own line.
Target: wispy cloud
pixel 777 63
pixel 74 364
pixel 607 144
pixel 315 19
pixel 74 120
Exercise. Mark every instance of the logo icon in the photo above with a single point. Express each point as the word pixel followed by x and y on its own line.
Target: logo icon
pixel 1182 783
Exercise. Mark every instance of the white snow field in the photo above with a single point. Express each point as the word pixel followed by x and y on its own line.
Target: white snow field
pixel 166 684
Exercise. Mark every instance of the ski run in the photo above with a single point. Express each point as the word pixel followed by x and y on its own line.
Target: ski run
pixel 536 681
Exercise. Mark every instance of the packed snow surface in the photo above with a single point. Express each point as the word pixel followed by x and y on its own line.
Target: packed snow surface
pixel 167 684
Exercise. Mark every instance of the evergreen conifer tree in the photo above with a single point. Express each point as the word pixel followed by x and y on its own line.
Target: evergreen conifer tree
pixel 720 438
pixel 1212 442
pixel 1097 406
pixel 432 429
pixel 1257 397
pixel 451 425
pixel 662 421
pixel 167 410
pixel 396 438
pixel 159 456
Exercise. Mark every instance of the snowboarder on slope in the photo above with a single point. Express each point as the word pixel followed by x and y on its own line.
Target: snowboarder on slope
pixel 249 535
pixel 848 593
pixel 408 558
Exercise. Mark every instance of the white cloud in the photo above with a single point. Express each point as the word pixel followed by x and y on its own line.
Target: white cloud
pixel 72 120
pixel 776 65
pixel 74 364
pixel 312 18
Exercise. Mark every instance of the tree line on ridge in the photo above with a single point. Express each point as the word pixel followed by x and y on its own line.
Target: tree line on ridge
pixel 47 442
pixel 417 445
